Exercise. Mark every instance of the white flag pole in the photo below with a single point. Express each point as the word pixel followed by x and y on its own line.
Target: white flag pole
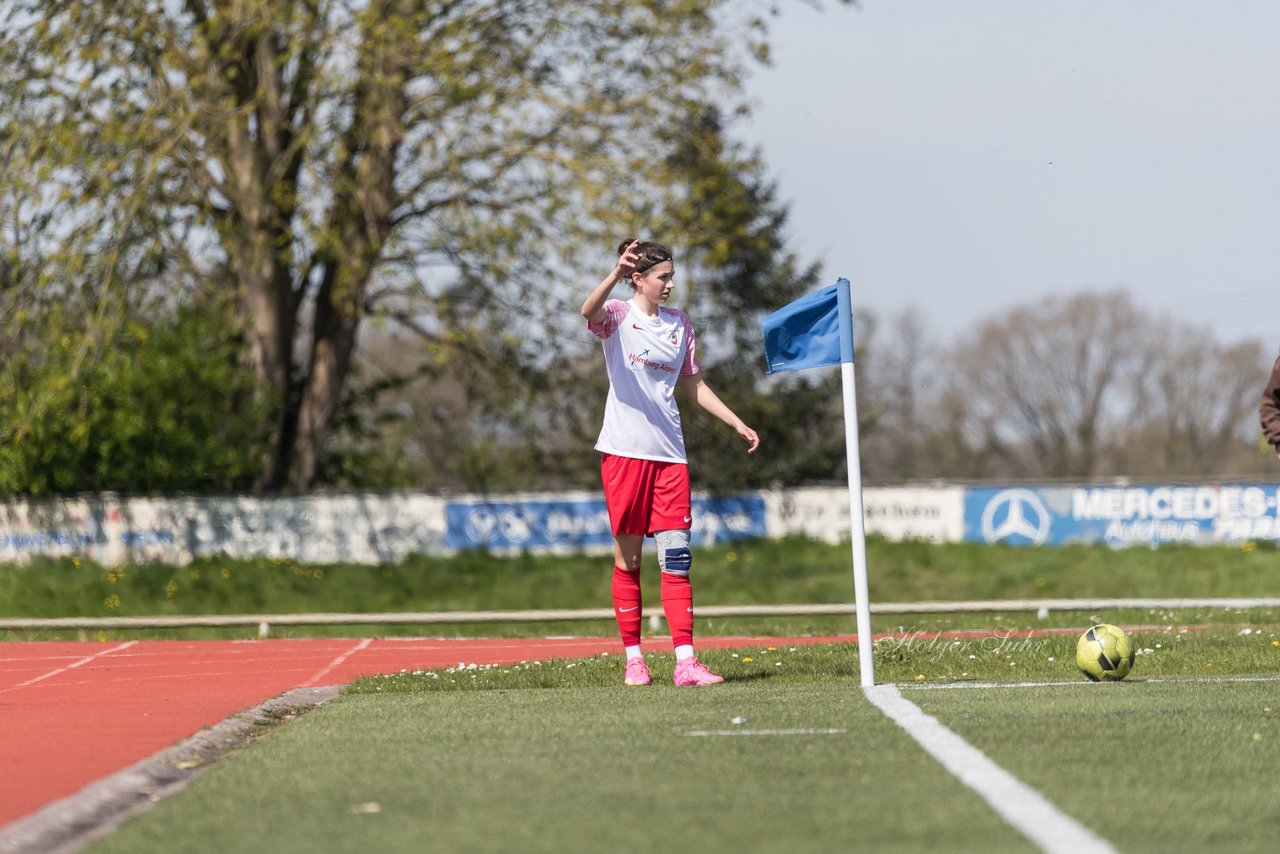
pixel 857 528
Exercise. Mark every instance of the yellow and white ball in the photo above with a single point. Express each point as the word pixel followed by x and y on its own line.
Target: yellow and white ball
pixel 1104 653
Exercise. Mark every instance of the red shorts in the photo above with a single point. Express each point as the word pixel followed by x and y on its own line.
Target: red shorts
pixel 644 496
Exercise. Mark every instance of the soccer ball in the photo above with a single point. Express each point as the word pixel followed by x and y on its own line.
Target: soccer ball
pixel 1104 653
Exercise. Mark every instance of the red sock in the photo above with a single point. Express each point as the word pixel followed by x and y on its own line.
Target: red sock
pixel 677 604
pixel 626 604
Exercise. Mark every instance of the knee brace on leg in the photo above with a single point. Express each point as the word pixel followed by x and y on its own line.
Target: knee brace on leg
pixel 674 556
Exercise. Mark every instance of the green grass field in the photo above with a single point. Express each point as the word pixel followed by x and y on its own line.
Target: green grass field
pixel 787 755
pixel 1182 765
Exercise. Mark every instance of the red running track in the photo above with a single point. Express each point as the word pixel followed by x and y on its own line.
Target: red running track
pixel 73 713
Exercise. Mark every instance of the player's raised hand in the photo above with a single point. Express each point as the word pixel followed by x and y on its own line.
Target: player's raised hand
pixel 627 259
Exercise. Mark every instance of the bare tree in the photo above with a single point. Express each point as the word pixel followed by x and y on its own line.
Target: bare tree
pixel 1042 381
pixel 898 385
pixel 1089 385
pixel 1196 406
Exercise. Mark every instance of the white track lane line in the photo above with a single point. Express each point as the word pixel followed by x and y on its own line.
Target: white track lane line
pixel 72 666
pixel 336 663
pixel 1029 812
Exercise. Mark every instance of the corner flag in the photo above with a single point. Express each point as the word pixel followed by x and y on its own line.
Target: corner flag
pixel 812 332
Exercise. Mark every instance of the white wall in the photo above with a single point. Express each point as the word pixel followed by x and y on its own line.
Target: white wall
pixel 385 528
pixel 935 514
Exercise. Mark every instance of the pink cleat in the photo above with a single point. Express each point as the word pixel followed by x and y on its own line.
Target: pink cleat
pixel 692 672
pixel 637 672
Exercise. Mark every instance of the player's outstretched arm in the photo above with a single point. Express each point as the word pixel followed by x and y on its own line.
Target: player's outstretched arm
pixel 698 389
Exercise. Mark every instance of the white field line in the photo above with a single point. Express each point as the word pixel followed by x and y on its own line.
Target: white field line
pixel 337 662
pixel 711 733
pixel 1029 812
pixel 1097 686
pixel 72 666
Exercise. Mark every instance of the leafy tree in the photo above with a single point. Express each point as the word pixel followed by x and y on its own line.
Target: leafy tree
pixel 488 429
pixel 147 414
pixel 737 269
pixel 436 163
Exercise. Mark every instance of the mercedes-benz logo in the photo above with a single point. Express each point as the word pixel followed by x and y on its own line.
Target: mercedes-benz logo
pixel 498 526
pixel 1016 516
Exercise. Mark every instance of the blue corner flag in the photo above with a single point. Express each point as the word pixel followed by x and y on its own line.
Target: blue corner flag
pixel 811 332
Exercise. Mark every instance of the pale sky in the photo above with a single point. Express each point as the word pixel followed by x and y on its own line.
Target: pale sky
pixel 962 157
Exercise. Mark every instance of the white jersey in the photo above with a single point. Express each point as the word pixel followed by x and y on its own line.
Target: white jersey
pixel 644 356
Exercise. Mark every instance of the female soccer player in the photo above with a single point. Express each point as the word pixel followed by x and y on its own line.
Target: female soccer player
pixel 648 350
